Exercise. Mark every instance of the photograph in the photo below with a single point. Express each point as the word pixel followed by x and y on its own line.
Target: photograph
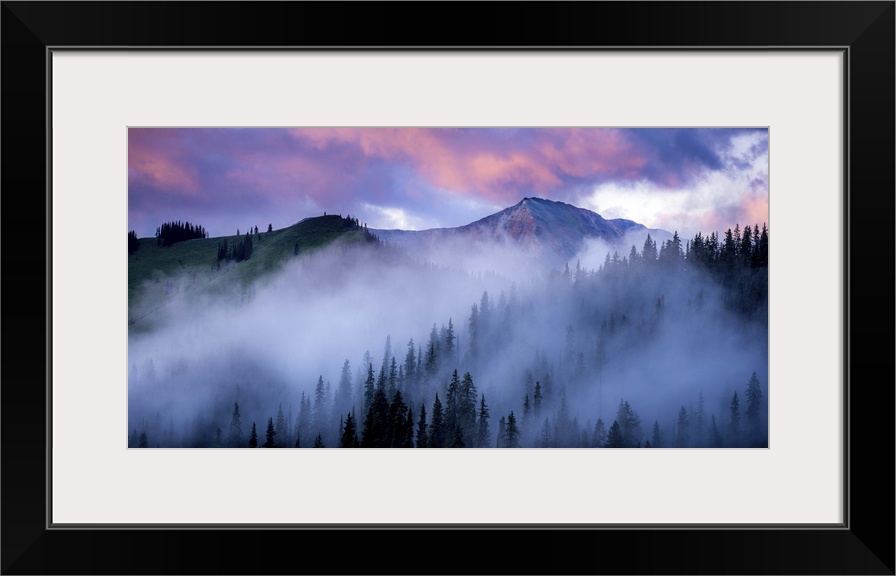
pixel 433 287
pixel 539 228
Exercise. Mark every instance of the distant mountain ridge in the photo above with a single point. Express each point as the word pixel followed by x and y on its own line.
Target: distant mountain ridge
pixel 552 231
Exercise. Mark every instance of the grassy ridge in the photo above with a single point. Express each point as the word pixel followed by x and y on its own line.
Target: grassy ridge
pixel 155 272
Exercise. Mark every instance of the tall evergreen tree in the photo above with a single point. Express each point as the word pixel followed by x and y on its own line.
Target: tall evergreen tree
pixel 452 403
pixel 449 341
pixel 629 424
pixel 699 421
pixel 349 434
pixel 754 412
pixel 458 438
pixel 397 432
pixel 734 423
pixel 422 436
pixel 536 401
pixel 369 388
pixel 527 411
pixel 614 436
pixel 393 377
pixel 253 437
pixel 235 438
pixel 599 437
pixel 657 436
pixel 343 399
pixel 511 432
pixel 467 409
pixel 281 428
pixel 376 425
pixel 133 242
pixel 410 363
pixel 409 430
pixel 545 437
pixel 483 434
pixel 474 334
pixel 269 435
pixel 682 429
pixel 436 427
pixel 319 410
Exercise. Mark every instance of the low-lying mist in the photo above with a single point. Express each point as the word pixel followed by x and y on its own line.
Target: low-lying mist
pixel 609 352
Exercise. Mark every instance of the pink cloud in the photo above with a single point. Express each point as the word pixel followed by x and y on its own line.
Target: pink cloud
pixel 479 163
pixel 756 210
pixel 153 157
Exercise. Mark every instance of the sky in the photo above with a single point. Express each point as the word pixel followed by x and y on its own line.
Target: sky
pixel 228 179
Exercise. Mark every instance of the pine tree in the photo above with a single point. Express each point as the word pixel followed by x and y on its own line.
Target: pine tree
pixel 303 419
pixel 452 403
pixel 369 387
pixel 436 427
pixel 393 377
pixel 753 412
pixel 474 334
pixel 467 409
pixel 343 399
pixel 511 432
pixel 483 436
pixel 381 380
pixel 614 436
pixel 144 440
pixel 281 426
pixel 600 434
pixel 422 436
pixel 253 437
pixel 396 433
pixel 536 401
pixel 682 434
pixel 376 425
pixel 269 435
pixel 319 415
pixel 698 421
pixel 319 442
pixel 235 438
pixel 410 362
pixel 133 242
pixel 657 437
pixel 409 430
pixel 734 423
pixel 629 424
pixel 458 438
pixel 545 438
pixel 527 411
pixel 349 434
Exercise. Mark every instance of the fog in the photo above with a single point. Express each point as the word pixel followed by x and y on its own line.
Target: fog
pixel 591 338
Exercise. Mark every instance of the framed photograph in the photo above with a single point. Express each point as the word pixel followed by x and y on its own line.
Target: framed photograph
pixel 265 166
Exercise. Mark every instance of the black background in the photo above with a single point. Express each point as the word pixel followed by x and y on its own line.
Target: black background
pixel 864 546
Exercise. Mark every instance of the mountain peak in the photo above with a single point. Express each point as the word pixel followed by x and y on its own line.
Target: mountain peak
pixel 550 230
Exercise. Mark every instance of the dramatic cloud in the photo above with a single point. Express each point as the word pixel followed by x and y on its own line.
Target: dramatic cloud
pixel 225 179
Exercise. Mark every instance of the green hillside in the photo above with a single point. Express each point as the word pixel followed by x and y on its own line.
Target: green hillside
pixel 155 273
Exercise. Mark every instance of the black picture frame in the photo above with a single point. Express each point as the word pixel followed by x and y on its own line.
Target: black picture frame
pixel 863 30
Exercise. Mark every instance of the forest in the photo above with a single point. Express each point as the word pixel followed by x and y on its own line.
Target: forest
pixel 362 347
